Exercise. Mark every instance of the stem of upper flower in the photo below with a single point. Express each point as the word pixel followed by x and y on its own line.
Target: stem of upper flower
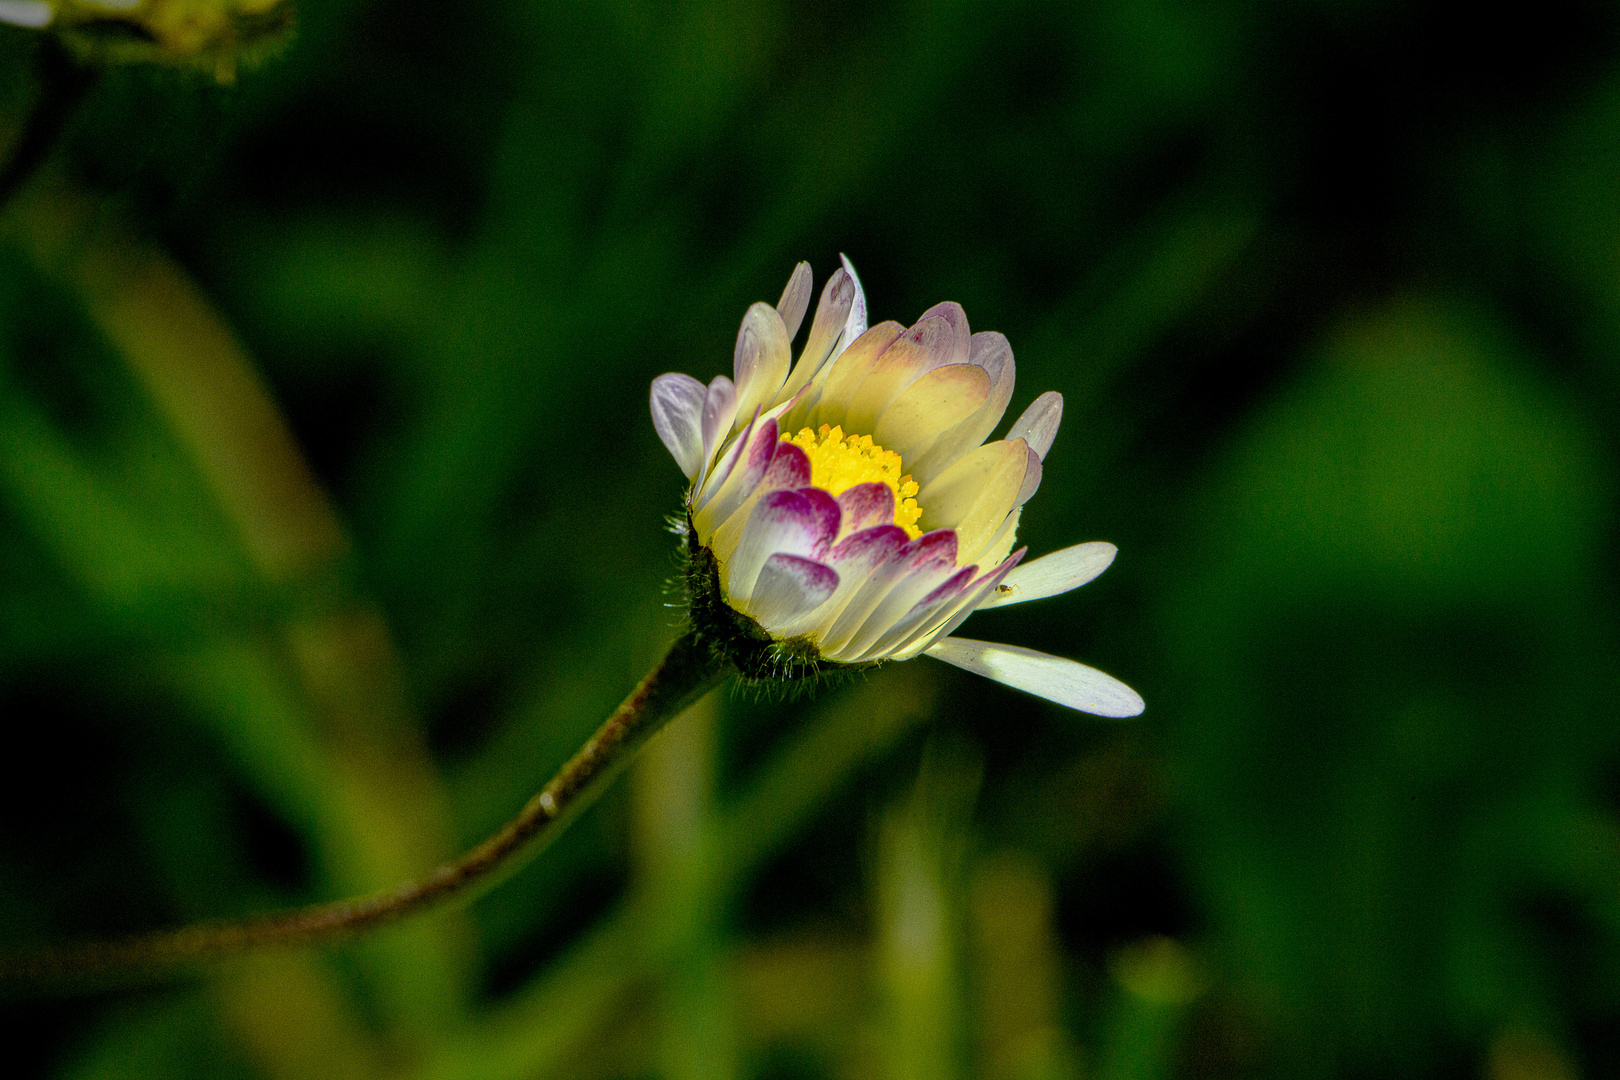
pixel 689 670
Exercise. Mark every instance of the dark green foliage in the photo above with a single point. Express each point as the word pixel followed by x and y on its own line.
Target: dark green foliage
pixel 1332 292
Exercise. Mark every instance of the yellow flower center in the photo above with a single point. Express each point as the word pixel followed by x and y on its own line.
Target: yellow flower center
pixel 839 462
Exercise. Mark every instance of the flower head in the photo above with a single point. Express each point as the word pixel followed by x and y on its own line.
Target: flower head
pixel 846 510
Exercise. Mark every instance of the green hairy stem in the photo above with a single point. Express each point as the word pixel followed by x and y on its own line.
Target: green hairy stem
pixel 690 669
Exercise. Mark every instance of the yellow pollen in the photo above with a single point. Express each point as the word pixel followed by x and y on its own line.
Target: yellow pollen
pixel 839 462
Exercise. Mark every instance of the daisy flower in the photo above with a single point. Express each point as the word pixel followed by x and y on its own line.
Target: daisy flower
pixel 846 510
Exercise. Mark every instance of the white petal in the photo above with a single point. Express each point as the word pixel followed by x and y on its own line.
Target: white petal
pixel 761 359
pixel 1032 478
pixel 1039 424
pixel 33 14
pixel 1051 677
pixel 855 326
pixel 826 331
pixel 677 415
pixel 719 410
pixel 1054 574
pixel 795 299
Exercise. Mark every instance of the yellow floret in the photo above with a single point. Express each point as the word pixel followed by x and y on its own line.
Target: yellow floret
pixel 839 462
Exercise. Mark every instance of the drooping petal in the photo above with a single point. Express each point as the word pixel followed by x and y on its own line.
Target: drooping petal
pixel 795 299
pixel 1039 424
pixel 761 358
pixel 924 347
pixel 866 505
pixel 677 415
pixel 1052 677
pixel 930 405
pixel 832 314
pixel 788 588
pixel 783 522
pixel 1054 574
pixel 840 379
pixel 991 352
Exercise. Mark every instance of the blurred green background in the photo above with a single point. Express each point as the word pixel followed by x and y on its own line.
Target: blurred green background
pixel 332 520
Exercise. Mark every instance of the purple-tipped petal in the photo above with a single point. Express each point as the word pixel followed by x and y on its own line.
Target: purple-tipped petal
pixel 782 522
pixel 921 566
pixel 931 608
pixel 677 415
pixel 795 299
pixel 1052 677
pixel 827 513
pixel 857 558
pixel 1039 424
pixel 868 548
pixel 866 505
pixel 952 313
pixel 790 587
pixel 755 449
pixel 932 555
pixel 789 468
pixel 954 615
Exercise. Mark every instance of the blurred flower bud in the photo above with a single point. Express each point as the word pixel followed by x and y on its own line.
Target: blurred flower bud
pixel 218 36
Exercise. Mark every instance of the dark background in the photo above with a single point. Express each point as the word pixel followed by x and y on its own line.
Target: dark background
pixel 1331 289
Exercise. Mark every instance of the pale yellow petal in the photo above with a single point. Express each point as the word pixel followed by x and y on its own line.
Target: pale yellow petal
pixel 926 346
pixel 930 406
pixel 949 498
pixel 845 375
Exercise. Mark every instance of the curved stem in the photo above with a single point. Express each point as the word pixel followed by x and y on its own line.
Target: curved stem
pixel 689 670
pixel 63 83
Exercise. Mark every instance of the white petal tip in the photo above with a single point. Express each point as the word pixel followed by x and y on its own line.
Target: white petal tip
pixel 1055 678
pixel 1053 574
